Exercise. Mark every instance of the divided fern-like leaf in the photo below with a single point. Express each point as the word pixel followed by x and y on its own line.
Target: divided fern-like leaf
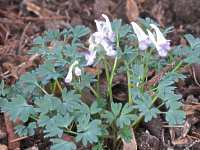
pixel 18 108
pixel 89 132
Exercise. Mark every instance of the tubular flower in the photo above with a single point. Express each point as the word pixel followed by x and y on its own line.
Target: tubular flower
pixel 105 36
pixel 68 78
pixel 77 71
pixel 142 37
pixel 90 57
pixel 161 43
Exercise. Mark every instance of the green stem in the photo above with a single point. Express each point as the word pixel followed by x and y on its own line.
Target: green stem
pixel 106 69
pixel 129 87
pixel 54 87
pixel 178 66
pixel 43 90
pixel 70 132
pixel 98 81
pixel 94 92
pixel 111 79
pixel 59 86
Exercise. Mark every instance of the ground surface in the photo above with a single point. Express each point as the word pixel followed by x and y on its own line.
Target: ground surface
pixel 22 21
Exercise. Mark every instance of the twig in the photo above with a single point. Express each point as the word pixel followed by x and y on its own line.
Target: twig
pixel 19 139
pixel 18 51
pixel 43 18
pixel 194 75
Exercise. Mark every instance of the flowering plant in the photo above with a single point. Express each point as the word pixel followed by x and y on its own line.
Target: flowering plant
pixel 52 99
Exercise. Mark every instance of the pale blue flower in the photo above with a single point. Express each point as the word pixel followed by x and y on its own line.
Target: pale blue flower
pixel 104 36
pixel 90 57
pixel 143 38
pixel 161 43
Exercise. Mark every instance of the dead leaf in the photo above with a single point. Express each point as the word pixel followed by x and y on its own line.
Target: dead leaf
pixel 191 109
pixel 182 141
pixel 48 15
pixel 132 145
pixel 186 128
pixel 3 147
pixel 132 11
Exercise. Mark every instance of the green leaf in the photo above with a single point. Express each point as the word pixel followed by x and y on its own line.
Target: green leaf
pixel 125 118
pixel 116 108
pixel 80 31
pixel 86 80
pixel 29 78
pixel 194 42
pixel 89 132
pixel 126 134
pixel 130 54
pixel 95 108
pixel 29 130
pixel 53 126
pixel 47 103
pixel 175 116
pixel 99 146
pixel 120 29
pixel 82 114
pixel 166 92
pixel 52 35
pixel 138 71
pixel 59 144
pixel 2 90
pixel 145 107
pixel 109 116
pixel 71 101
pixel 46 72
pixel 194 57
pixel 39 41
pixel 18 108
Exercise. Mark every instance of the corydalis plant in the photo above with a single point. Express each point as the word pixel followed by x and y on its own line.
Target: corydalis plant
pixel 41 98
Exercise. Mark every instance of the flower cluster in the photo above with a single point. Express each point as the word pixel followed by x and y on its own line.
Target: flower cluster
pixel 162 45
pixel 105 37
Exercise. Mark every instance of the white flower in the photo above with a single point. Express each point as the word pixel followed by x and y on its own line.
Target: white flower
pixel 142 37
pixel 77 71
pixel 109 48
pixel 161 43
pixel 90 57
pixel 68 78
pixel 104 29
pixel 104 36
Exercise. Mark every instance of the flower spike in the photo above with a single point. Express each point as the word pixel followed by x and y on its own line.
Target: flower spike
pixel 104 36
